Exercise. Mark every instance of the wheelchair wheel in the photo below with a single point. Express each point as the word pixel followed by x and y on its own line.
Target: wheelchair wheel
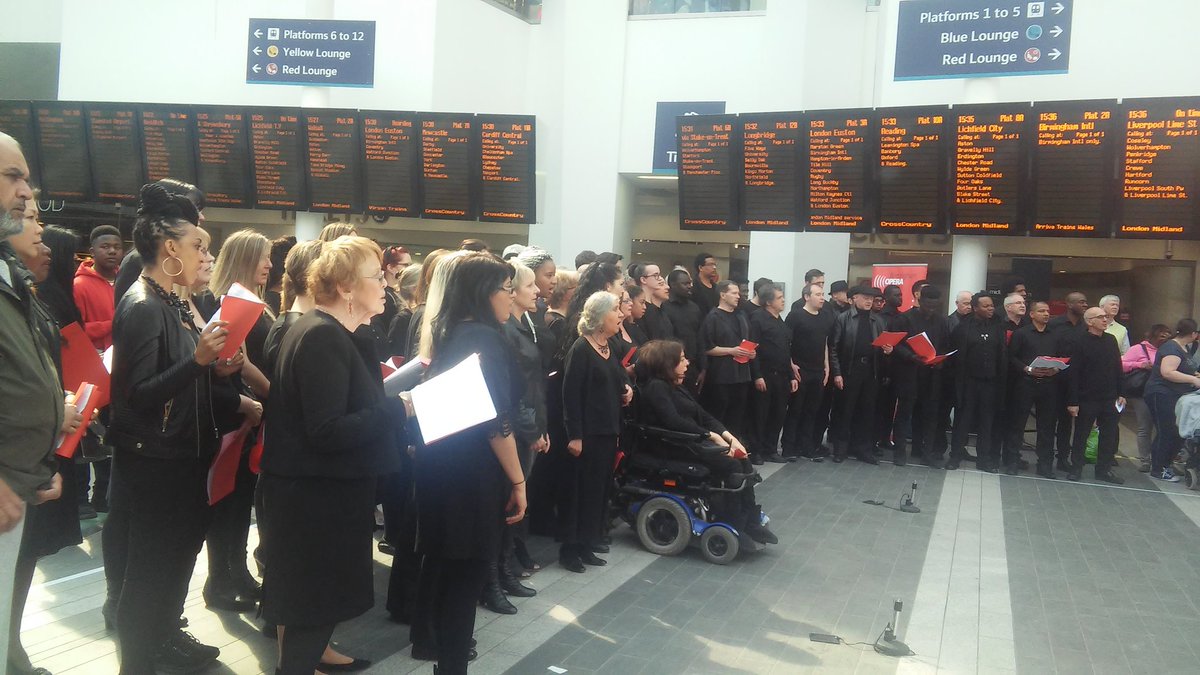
pixel 719 545
pixel 664 526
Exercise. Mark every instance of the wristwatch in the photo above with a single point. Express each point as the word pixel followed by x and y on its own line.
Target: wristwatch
pixel 1028 370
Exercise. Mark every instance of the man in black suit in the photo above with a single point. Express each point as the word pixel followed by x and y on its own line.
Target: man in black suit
pixel 854 365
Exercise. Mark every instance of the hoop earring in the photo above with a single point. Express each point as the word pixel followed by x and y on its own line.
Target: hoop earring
pixel 163 265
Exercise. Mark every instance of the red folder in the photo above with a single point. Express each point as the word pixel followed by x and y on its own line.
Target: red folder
pixel 748 346
pixel 81 363
pixel 391 365
pixel 223 472
pixel 241 315
pixel 84 404
pixel 257 451
pixel 889 339
pixel 924 350
pixel 629 357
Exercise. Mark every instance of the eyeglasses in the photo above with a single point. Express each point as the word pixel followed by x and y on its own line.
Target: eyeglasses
pixel 506 289
pixel 377 277
pixel 653 276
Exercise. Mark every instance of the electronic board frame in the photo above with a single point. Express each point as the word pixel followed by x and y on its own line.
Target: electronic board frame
pixel 414 162
pixel 96 165
pixel 472 206
pixel 358 197
pixel 940 221
pixel 1020 222
pixel 1191 229
pixel 301 154
pixel 530 180
pixel 869 156
pixel 682 124
pixel 798 207
pixel 47 187
pixel 1105 225
pixel 27 137
pixel 193 158
pixel 247 168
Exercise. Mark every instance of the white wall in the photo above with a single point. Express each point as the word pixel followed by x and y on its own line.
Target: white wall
pixel 39 21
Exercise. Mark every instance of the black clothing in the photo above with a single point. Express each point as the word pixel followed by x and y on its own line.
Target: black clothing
pixel 1103 415
pixel 274 300
pixel 802 414
pixel 397 333
pixel 1042 393
pixel 1095 370
pixel 774 340
pixel 1157 384
pixel 810 338
pixel 724 329
pixel 981 367
pixel 127 274
pixel 412 342
pixel 846 351
pixel 774 366
pixel 1068 335
pixel 592 389
pixel 706 297
pixel 636 334
pixel 926 427
pixel 529 420
pixel 981 350
pixel 302 648
pixel 275 339
pixel 656 324
pixel 954 319
pixel 661 404
pixel 685 316
pixel 1011 327
pixel 837 307
pixel 1028 343
pixel 854 413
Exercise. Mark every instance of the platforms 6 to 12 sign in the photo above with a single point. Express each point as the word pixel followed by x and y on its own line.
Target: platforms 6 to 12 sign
pixel 294 51
pixel 982 38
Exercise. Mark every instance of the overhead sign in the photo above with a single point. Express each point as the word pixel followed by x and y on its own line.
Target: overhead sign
pixel 311 52
pixel 961 38
pixel 666 153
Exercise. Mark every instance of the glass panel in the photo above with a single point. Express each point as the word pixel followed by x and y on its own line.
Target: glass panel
pixel 644 7
pixel 529 10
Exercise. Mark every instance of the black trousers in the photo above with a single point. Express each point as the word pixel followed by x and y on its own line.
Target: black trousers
pixel 885 406
pixel 727 402
pixel 590 476
pixel 895 409
pixel 825 415
pixel 946 404
pixel 1040 395
pixel 230 527
pixel 1167 441
pixel 404 578
pixel 302 648
pixel 801 418
pixel 459 585
pixel 926 422
pixel 1064 433
pixel 769 411
pixel 976 411
pixel 1103 415
pixel 855 410
pixel 166 503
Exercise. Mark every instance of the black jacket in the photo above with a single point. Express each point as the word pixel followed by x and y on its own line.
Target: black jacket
pixel 1095 371
pixel 664 405
pixel 529 414
pixel 655 323
pixel 982 353
pixel 592 390
pixel 774 340
pixel 842 342
pixel 164 404
pixel 685 316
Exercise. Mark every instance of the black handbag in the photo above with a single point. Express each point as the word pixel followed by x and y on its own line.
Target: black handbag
pixel 1133 383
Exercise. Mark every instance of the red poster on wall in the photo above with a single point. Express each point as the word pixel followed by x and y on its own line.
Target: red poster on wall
pixel 903 276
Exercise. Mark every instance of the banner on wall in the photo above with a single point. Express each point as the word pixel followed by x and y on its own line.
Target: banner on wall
pixel 665 145
pixel 903 276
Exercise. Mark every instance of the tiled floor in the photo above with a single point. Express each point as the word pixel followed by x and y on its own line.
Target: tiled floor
pixel 997 575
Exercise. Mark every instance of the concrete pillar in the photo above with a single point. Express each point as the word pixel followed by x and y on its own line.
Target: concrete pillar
pixel 968 264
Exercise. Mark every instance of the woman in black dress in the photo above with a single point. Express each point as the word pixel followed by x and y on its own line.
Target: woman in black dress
pixel 164 436
pixel 330 430
pixel 664 402
pixel 594 390
pixel 467 482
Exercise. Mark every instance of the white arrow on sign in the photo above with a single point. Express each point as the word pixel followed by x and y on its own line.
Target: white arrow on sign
pixel 1054 54
pixel 257 51
pixel 1058 8
pixel 257 32
pixel 255 68
pixel 1056 31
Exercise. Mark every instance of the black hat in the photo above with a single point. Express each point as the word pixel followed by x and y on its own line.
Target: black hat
pixel 838 287
pixel 865 290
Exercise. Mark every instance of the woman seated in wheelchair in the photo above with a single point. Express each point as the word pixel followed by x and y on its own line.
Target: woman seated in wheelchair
pixel 664 402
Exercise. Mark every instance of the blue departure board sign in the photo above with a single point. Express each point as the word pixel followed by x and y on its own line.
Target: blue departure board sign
pixel 311 52
pixel 938 39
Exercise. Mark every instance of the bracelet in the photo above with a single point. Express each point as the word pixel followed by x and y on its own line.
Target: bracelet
pixel 520 483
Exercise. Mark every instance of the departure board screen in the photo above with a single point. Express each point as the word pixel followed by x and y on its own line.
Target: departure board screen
pixel 391 156
pixel 989 168
pixel 334 171
pixel 839 155
pixel 62 147
pixel 912 170
pixel 446 159
pixel 277 148
pixel 167 145
pixel 770 180
pixel 223 156
pixel 506 171
pixel 709 172
pixel 115 149
pixel 1159 172
pixel 1072 169
pixel 16 120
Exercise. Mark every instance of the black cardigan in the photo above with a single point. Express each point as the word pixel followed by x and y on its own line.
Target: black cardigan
pixel 592 390
pixel 670 407
pixel 327 416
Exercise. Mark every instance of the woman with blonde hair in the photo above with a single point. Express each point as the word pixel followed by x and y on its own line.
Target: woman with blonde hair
pixel 413 338
pixel 333 231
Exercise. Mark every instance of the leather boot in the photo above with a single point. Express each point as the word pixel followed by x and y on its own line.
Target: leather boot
pixel 511 585
pixel 245 582
pixel 493 597
pixel 900 456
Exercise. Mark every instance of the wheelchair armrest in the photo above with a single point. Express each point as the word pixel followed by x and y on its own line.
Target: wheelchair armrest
pixel 670 435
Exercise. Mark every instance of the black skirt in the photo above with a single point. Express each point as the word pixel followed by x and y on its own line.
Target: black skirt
pixel 54 525
pixel 317 549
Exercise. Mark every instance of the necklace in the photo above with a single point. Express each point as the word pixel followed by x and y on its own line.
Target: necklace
pixel 602 348
pixel 173 300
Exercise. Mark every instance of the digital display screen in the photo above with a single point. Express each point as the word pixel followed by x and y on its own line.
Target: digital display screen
pixel 334 171
pixel 167 144
pixel 391 155
pixel 912 170
pixel 507 180
pixel 277 148
pixel 1159 173
pixel 709 172
pixel 446 161
pixel 838 169
pixel 223 156
pixel 62 147
pixel 1072 169
pixel 770 180
pixel 989 168
pixel 115 149
pixel 16 120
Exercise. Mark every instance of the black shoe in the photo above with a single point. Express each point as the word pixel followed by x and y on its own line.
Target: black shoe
pixel 589 558
pixel 355 665
pixel 227 599
pixel 109 611
pixel 756 460
pixel 271 631
pixel 87 512
pixel 775 458
pixel 761 534
pixel 511 586
pixel 1023 464
pixel 900 457
pixel 606 539
pixel 246 584
pixel 188 642
pixel 1110 477
pixel 100 504
pixel 386 548
pixel 933 462
pixel 1011 470
pixel 1047 472
pixel 747 544
pixel 183 655
pixel 424 654
pixel 1065 466
pixel 601 548
pixel 493 598
pixel 952 465
pixel 987 467
pixel 838 459
pixel 885 445
pixel 572 564
pixel 867 458
pixel 790 458
pixel 968 457
pixel 523 557
pixel 1074 474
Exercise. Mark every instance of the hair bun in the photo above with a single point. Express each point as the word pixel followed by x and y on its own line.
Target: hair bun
pixel 155 201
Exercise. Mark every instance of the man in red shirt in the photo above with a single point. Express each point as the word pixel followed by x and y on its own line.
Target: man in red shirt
pixel 94 285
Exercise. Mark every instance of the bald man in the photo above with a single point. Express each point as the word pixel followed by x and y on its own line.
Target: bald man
pixel 1094 396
